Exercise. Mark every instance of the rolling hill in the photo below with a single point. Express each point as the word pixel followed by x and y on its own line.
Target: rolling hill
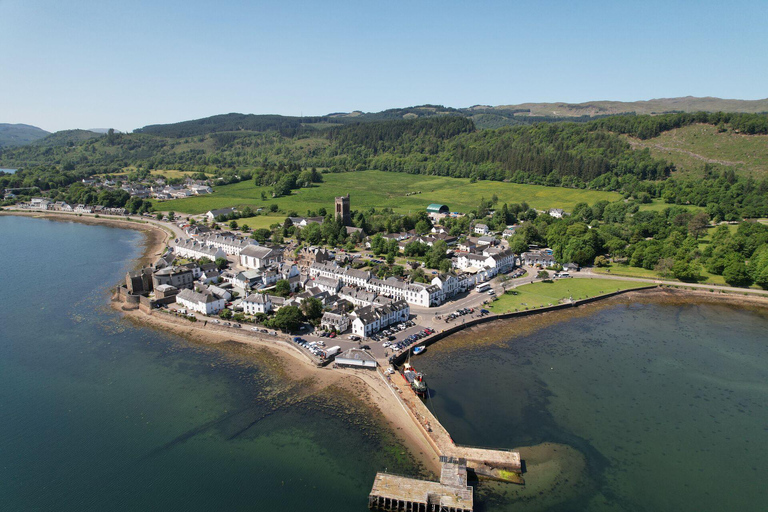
pixel 19 134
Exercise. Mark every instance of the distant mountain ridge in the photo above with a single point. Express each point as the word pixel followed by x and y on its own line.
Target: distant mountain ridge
pixel 484 116
pixel 654 106
pixel 20 134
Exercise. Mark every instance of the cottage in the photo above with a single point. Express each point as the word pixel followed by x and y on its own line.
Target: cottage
pixel 481 229
pixel 223 212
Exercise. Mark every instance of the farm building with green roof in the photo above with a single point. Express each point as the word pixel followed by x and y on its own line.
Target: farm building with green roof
pixel 438 208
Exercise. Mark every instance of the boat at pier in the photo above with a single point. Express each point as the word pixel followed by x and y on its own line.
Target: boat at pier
pixel 415 379
pixel 419 350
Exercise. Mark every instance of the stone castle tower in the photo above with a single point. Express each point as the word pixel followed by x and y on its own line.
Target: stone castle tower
pixel 342 210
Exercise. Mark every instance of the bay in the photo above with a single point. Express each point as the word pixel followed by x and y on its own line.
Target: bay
pixel 667 402
pixel 99 414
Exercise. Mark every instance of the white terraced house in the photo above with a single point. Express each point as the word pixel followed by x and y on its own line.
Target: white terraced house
pixel 205 302
pixel 195 250
pixel 257 303
pixel 371 319
pixel 228 244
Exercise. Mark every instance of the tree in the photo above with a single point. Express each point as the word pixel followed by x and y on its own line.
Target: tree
pixel 601 261
pixel 698 224
pixel 312 309
pixel 735 272
pixel 171 216
pixel 159 216
pixel 287 319
pixel 226 314
pixel 543 274
pixel 261 235
pixel 686 270
pixel 312 233
pixel 221 263
pixel 273 207
pixel 283 288
pixel 422 227
pixel 233 224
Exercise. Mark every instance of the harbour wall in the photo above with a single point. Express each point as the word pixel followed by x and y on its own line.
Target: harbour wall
pixel 400 358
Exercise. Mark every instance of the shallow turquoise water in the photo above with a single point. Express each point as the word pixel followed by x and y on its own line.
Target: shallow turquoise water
pixel 668 402
pixel 96 414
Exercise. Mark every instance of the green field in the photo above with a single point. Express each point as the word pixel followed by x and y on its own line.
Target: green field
pixel 534 295
pixel 691 147
pixel 388 189
pixel 626 270
pixel 658 205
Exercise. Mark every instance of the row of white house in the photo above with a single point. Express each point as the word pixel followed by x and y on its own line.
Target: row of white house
pixel 490 262
pixel 229 244
pixel 196 250
pixel 331 277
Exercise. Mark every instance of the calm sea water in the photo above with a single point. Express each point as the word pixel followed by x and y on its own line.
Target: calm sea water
pixel 96 414
pixel 668 402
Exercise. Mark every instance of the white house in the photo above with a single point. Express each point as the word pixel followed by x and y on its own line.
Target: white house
pixel 327 284
pixel 211 215
pixel 205 302
pixel 259 257
pixel 481 229
pixel 556 213
pixel 257 303
pixel 370 319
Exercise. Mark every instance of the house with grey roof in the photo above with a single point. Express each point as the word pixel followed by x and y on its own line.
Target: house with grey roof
pixel 220 212
pixel 261 256
pixel 257 303
pixel 203 301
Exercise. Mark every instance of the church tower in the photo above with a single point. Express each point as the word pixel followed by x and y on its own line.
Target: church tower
pixel 342 210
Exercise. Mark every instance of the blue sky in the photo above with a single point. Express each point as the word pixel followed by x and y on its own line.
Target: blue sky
pixel 126 64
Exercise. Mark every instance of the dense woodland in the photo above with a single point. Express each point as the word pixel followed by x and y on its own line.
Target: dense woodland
pixel 578 155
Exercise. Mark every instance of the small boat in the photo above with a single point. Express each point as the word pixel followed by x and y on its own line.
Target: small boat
pixel 419 350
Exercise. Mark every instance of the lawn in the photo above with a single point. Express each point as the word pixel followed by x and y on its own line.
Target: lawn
pixel 529 296
pixel 626 270
pixel 388 189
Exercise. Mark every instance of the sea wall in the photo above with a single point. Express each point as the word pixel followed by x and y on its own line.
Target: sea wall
pixel 400 359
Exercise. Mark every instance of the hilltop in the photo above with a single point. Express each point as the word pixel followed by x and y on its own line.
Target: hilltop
pixel 19 134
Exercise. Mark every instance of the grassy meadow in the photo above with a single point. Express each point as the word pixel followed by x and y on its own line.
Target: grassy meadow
pixel 388 189
pixel 534 295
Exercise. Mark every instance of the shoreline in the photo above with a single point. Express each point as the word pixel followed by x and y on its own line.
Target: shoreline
pixel 544 462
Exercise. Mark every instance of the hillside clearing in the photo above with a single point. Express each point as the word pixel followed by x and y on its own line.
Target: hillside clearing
pixel 690 148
